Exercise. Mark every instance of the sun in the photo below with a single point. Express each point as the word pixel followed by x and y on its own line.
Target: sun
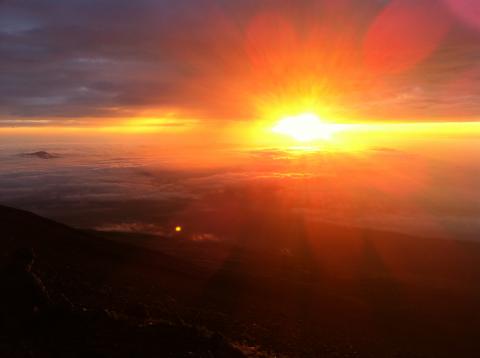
pixel 305 127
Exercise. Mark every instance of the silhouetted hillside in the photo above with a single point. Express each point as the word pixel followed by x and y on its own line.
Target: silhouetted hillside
pixel 298 289
pixel 41 155
pixel 84 269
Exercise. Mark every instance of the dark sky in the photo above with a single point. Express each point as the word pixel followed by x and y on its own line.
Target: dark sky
pixel 94 60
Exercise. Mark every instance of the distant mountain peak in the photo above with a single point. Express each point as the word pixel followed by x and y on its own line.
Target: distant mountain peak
pixel 41 154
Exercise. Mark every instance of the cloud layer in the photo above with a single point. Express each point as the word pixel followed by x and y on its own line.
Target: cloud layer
pixel 131 189
pixel 230 59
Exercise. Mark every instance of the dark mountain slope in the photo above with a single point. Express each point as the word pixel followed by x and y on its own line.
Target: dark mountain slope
pixel 301 289
pixel 110 313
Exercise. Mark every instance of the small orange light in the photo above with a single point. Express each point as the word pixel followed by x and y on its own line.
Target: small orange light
pixel 178 228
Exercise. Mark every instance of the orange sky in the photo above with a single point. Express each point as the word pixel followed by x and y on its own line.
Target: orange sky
pixel 209 63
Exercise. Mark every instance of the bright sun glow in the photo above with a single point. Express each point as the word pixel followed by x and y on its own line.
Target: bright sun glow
pixel 305 127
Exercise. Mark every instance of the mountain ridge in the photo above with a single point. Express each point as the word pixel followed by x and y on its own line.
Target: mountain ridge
pixel 316 291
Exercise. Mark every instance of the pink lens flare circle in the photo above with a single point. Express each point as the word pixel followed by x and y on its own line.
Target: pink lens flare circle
pixel 467 10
